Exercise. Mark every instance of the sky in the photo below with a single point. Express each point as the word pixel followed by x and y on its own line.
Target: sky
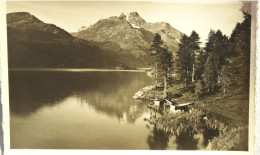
pixel 183 16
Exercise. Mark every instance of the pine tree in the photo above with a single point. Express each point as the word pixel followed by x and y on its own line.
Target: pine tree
pixel 224 79
pixel 218 44
pixel 200 60
pixel 183 61
pixel 166 65
pixel 155 50
pixel 163 61
pixel 211 72
pixel 239 53
pixel 241 47
pixel 195 47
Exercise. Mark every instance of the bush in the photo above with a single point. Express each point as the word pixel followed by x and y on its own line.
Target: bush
pixel 231 139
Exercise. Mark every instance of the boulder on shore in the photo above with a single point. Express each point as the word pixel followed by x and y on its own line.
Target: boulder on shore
pixel 149 92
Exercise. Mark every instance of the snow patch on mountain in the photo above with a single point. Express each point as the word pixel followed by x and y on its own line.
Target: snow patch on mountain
pixel 127 18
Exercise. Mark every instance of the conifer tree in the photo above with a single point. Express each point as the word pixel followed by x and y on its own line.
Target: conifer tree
pixel 194 47
pixel 163 61
pixel 224 79
pixel 184 59
pixel 211 72
pixel 156 47
pixel 218 44
pixel 241 47
pixel 200 60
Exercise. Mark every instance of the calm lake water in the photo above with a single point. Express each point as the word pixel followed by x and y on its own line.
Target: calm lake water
pixel 85 110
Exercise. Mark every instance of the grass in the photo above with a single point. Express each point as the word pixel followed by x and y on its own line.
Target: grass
pixel 179 123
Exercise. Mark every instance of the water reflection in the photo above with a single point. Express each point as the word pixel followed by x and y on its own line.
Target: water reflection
pixel 106 92
pixel 186 141
pixel 209 134
pixel 87 110
pixel 157 139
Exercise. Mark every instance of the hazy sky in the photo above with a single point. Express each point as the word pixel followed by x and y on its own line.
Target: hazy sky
pixel 185 17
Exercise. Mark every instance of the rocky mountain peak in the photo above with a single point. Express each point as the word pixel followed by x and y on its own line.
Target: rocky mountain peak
pixel 133 19
pixel 131 33
pixel 123 15
pixel 136 19
pixel 134 14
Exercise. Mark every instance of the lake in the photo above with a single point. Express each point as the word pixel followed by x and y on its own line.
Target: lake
pixel 85 110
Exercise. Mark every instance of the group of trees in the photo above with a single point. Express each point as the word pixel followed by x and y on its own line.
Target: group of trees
pixel 224 61
pixel 217 53
pixel 189 48
pixel 228 59
pixel 203 65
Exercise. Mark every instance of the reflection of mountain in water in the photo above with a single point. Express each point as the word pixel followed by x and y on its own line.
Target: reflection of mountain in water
pixel 114 98
pixel 107 92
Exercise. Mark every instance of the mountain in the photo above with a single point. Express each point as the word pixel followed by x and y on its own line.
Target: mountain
pixel 125 39
pixel 131 32
pixel 33 43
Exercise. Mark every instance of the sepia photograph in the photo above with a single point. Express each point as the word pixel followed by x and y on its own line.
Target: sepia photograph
pixel 130 75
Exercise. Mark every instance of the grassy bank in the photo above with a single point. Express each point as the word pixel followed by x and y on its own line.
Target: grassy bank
pixel 228 116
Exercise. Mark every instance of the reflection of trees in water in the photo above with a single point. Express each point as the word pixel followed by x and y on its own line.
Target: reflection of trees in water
pixel 106 92
pixel 186 141
pixel 208 135
pixel 158 139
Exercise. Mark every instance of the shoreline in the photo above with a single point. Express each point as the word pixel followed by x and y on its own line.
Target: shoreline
pixel 74 70
pixel 212 112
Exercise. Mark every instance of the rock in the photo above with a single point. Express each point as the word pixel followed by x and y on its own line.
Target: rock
pixel 141 93
pixel 138 95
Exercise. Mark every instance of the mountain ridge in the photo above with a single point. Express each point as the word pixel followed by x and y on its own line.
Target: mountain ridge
pixel 109 42
pixel 131 32
pixel 35 44
pixel 27 21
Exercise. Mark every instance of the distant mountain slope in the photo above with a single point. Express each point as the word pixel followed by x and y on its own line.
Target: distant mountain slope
pixel 29 23
pixel 131 33
pixel 33 43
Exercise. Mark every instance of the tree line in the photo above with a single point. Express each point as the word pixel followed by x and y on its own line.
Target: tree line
pixel 218 67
